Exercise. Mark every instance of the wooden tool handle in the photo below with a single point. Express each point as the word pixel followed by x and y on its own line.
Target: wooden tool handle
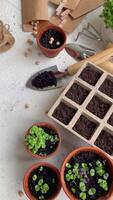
pixel 98 58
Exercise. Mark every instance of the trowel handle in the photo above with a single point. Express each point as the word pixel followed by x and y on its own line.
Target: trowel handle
pixel 99 58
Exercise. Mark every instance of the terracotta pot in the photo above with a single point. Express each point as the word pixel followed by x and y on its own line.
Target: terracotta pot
pixel 26 177
pixel 50 52
pixel 51 126
pixel 76 152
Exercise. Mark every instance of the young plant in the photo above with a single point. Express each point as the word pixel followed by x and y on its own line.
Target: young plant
pixel 107 13
pixel 78 176
pixel 37 139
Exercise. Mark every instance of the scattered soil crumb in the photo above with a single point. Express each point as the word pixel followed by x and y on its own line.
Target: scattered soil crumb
pixel 20 193
pixel 26 106
pixel 39 53
pixel 29 50
pixel 26 54
pixel 30 42
pixel 37 62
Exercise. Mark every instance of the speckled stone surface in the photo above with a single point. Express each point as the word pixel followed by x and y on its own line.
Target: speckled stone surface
pixel 15 116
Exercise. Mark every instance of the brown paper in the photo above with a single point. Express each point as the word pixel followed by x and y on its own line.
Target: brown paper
pixel 85 6
pixel 71 4
pixel 70 24
pixel 33 10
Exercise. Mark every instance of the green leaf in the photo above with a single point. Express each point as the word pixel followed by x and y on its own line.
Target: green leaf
pixel 40 182
pixel 84 166
pixel 100 171
pixel 82 186
pixel 92 172
pixel 37 188
pixel 68 165
pixel 67 177
pixel 103 184
pixel 34 177
pixel 99 164
pixel 106 176
pixel 83 196
pixel 73 190
pixel 92 191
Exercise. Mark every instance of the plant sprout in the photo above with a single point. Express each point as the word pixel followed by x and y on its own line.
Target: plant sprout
pixel 34 177
pixel 78 176
pixel 41 186
pixel 92 191
pixel 83 196
pixel 107 13
pixel 36 139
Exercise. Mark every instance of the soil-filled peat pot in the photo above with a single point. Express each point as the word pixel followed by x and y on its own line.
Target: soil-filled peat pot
pixel 64 113
pixel 98 107
pixel 85 127
pixel 91 75
pixel 77 93
pixel 107 87
pixel 105 142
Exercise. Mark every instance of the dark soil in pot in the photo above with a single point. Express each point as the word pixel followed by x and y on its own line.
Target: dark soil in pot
pixel 85 127
pixel 52 39
pixel 87 176
pixel 105 142
pixel 107 88
pixel 77 93
pixel 90 75
pixel 110 120
pixel 64 113
pixel 43 182
pixel 42 141
pixel 98 107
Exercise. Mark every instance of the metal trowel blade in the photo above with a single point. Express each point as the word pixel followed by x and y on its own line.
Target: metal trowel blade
pixel 54 69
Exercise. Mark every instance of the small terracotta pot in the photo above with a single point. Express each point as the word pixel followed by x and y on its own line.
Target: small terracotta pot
pixel 26 177
pixel 51 126
pixel 103 155
pixel 50 52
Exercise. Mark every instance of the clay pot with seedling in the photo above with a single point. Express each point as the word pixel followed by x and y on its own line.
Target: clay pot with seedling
pixel 42 140
pixel 86 174
pixel 42 181
pixel 51 39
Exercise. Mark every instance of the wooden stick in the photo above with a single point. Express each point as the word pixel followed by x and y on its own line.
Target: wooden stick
pixel 98 58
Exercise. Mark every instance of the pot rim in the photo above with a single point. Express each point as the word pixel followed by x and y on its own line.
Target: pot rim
pixel 76 152
pixel 51 126
pixel 30 169
pixel 46 28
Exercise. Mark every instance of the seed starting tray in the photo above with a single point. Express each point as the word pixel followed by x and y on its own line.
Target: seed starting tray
pixel 90 114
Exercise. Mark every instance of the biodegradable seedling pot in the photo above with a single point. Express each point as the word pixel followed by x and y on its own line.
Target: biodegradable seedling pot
pixel 74 153
pixel 47 51
pixel 30 170
pixel 52 127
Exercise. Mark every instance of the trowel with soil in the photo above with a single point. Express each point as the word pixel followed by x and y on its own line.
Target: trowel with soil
pixel 51 78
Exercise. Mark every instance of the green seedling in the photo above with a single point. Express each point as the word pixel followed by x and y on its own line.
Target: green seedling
pixel 103 184
pixel 92 191
pixel 78 176
pixel 83 196
pixel 37 138
pixel 82 186
pixel 92 172
pixel 34 177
